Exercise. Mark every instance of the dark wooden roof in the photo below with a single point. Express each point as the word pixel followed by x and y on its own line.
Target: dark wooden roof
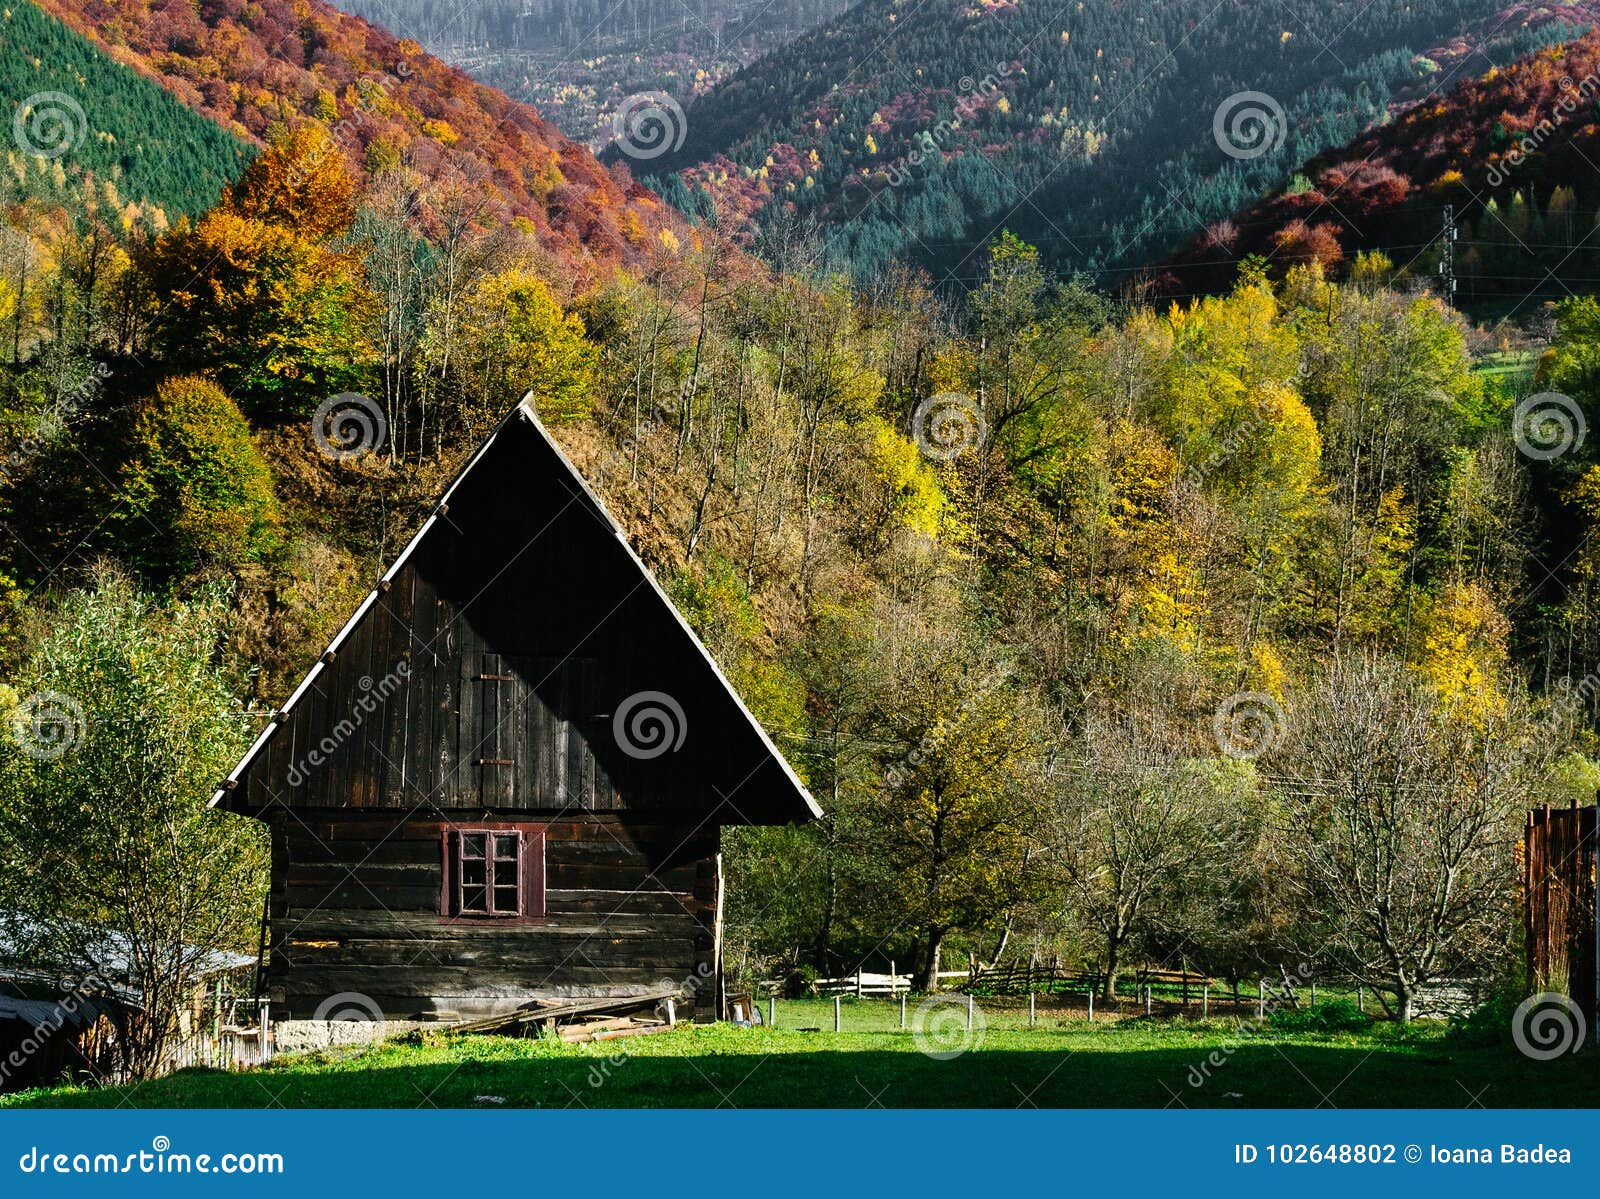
pixel 518 655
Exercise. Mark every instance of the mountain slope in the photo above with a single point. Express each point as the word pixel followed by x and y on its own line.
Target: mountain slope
pixel 253 66
pixel 916 129
pixel 1513 152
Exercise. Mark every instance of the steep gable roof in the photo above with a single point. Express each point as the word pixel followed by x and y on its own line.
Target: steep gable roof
pixel 520 568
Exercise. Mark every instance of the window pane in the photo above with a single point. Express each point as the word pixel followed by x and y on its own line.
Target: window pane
pixel 475 898
pixel 506 845
pixel 505 900
pixel 472 873
pixel 472 845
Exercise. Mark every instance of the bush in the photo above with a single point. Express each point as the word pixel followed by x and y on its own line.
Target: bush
pixel 193 490
pixel 1336 1015
pixel 1489 1023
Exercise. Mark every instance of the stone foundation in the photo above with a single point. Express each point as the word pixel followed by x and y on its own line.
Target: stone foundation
pixel 303 1036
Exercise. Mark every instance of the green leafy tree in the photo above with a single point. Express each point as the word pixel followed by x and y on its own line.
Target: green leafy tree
pixel 107 765
pixel 193 490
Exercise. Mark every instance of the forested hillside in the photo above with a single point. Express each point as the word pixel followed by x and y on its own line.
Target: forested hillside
pixel 254 68
pixel 576 61
pixel 94 126
pixel 913 131
pixel 1512 151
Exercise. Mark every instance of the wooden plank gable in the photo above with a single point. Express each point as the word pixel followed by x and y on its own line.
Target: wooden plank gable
pixel 519 657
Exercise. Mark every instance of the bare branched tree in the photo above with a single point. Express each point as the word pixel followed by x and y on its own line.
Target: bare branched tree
pixel 1400 811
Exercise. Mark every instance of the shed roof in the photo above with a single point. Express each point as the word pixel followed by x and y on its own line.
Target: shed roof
pixel 520 443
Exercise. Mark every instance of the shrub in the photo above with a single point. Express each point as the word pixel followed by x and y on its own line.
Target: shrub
pixel 1489 1023
pixel 193 490
pixel 1335 1015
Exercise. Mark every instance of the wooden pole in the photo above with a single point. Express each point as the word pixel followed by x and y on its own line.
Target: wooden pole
pixel 858 982
pixel 1361 1004
pixel 1261 999
pixel 969 1011
pixel 266 1044
pixel 1205 1001
pixel 1313 992
pixel 902 1011
pixel 1147 999
pixel 836 1022
pixel 1033 1016
pixel 772 1011
pixel 1091 1006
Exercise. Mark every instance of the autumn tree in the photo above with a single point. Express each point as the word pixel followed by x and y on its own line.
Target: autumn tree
pixel 954 818
pixel 258 291
pixel 516 339
pixel 300 181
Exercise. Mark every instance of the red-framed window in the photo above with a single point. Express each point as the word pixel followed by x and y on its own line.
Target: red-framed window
pixel 493 871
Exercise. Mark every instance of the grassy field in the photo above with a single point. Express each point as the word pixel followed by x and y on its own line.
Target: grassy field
pixel 1063 1062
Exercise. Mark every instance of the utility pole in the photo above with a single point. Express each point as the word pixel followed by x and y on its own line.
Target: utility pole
pixel 1447 256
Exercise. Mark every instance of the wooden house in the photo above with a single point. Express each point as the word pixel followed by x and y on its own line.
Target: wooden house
pixel 505 780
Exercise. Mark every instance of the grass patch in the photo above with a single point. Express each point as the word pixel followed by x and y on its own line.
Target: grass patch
pixel 1063 1062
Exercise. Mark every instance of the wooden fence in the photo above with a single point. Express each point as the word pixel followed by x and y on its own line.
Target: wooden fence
pixel 1558 873
pixel 238 1037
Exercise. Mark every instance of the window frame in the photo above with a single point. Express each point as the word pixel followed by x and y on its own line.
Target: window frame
pixel 530 873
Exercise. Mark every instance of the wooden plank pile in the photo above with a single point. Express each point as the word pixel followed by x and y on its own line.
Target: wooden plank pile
pixel 595 1018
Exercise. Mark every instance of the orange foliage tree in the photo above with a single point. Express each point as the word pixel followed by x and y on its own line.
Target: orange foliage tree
pixel 259 294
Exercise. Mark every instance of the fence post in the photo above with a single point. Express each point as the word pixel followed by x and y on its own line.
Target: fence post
pixel 902 1011
pixel 1032 1015
pixel 858 981
pixel 1091 1006
pixel 1147 999
pixel 1261 999
pixel 969 1011
pixel 1205 1002
pixel 1361 1004
pixel 266 1043
pixel 1313 992
pixel 836 1013
pixel 772 1011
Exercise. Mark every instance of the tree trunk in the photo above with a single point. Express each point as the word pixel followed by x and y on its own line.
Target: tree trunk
pixel 930 965
pixel 1108 985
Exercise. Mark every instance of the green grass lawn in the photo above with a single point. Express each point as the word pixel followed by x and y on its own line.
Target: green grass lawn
pixel 1063 1062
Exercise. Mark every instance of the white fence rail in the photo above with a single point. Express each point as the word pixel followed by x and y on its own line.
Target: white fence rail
pixel 864 983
